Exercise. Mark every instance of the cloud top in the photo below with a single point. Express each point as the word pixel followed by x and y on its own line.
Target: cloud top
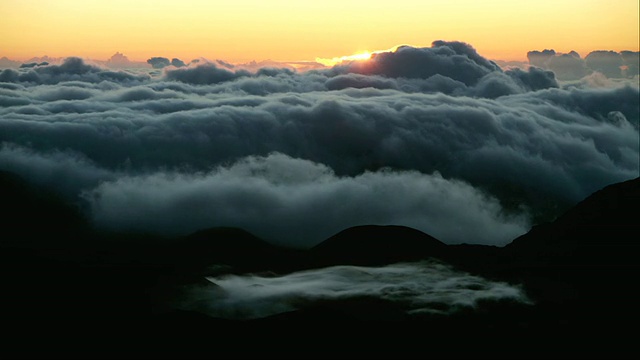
pixel 388 140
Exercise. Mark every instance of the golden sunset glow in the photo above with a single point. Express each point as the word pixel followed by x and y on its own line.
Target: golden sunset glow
pixel 291 30
pixel 366 55
pixel 336 60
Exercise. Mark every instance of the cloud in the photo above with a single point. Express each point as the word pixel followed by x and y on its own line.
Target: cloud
pixel 572 67
pixel 300 203
pixel 448 67
pixel 513 135
pixel 69 173
pixel 72 69
pixel 568 66
pixel 158 62
pixel 177 62
pixel 5 63
pixel 33 64
pixel 631 63
pixel 205 74
pixel 608 63
pixel 417 288
pixel 455 60
pixel 540 58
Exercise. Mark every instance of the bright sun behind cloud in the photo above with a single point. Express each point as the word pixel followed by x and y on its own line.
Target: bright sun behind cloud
pixel 362 56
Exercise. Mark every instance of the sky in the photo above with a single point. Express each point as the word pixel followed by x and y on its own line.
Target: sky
pixel 291 30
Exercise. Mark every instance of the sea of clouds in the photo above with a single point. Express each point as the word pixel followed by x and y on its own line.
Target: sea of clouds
pixel 437 138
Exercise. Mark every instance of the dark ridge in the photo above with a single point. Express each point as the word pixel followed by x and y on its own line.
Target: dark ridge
pixel 588 256
pixel 376 245
pixel 581 271
pixel 604 223
pixel 36 218
pixel 235 248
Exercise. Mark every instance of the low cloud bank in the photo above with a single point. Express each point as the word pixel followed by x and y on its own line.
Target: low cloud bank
pixel 417 288
pixel 300 203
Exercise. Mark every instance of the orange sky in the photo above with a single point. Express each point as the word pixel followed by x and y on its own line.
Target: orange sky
pixel 292 30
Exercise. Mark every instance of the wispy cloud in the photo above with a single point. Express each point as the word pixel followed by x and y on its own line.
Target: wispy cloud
pixel 417 288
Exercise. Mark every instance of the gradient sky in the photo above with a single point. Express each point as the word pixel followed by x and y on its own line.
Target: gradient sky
pixel 291 30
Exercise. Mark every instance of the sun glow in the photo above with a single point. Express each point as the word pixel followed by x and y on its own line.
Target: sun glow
pixel 337 60
pixel 363 56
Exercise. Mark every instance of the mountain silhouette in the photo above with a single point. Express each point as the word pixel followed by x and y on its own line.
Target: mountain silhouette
pixel 602 230
pixel 580 271
pixel 589 251
pixel 232 249
pixel 32 215
pixel 377 245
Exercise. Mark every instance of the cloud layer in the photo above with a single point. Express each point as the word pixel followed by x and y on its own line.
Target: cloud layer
pixel 298 202
pixel 417 123
pixel 418 288
pixel 571 66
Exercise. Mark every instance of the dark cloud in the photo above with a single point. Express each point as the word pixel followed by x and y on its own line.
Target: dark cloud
pixel 225 64
pixel 540 58
pixel 177 62
pixel 572 67
pixel 205 74
pixel 417 288
pixel 534 79
pixel 158 62
pixel 568 66
pixel 72 69
pixel 454 60
pixel 631 63
pixel 404 120
pixel 359 82
pixel 608 63
pixel 565 66
pixel 33 64
pixel 450 68
pixel 453 68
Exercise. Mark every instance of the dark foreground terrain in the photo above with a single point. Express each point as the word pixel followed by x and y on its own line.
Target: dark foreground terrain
pixel 70 291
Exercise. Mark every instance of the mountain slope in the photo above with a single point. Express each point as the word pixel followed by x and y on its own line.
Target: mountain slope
pixel 377 245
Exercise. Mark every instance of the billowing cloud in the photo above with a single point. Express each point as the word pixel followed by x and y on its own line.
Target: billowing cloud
pixel 454 60
pixel 416 288
pixel 205 74
pixel 67 172
pixel 572 67
pixel 540 58
pixel 297 202
pixel 453 68
pixel 72 69
pixel 513 135
pixel 158 62
pixel 568 66
pixel 608 63
pixel 177 62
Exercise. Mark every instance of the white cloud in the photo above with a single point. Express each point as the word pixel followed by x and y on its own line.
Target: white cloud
pixel 300 203
pixel 423 287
